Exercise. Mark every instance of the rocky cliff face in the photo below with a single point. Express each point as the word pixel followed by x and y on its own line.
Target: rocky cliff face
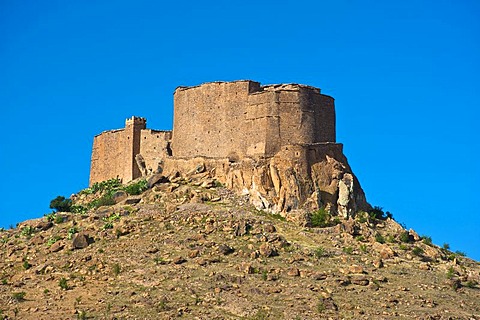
pixel 298 177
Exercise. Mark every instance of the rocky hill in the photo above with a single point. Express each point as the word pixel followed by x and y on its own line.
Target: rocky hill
pixel 186 247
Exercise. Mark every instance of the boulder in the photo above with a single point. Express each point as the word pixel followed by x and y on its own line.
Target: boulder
pixel 81 240
pixel 57 246
pixel 155 179
pixel 267 250
pixel 43 225
pixel 119 196
pixel 141 164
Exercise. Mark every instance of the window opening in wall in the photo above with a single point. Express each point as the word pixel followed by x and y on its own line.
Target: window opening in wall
pixel 169 149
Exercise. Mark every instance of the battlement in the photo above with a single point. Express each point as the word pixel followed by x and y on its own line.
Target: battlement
pixel 136 121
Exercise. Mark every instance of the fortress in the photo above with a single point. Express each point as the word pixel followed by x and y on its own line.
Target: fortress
pixel 276 143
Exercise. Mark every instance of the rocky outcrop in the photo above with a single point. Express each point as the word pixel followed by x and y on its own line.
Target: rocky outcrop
pixel 298 177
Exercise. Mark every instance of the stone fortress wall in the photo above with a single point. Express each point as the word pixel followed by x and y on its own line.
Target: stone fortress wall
pixel 275 142
pixel 114 151
pixel 243 119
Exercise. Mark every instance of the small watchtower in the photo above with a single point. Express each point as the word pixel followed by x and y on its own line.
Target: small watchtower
pixel 133 131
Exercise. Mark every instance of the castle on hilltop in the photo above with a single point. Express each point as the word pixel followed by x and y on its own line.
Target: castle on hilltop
pixel 232 128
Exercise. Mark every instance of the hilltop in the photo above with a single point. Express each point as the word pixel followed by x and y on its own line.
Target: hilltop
pixel 184 246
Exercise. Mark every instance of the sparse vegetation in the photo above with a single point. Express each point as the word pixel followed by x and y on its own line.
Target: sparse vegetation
pixel 417 251
pixel 61 204
pixel 390 238
pixel 312 264
pixel 379 238
pixel 59 219
pixel 348 250
pixel 321 219
pixel 79 209
pixel 50 216
pixel 264 275
pixel 404 237
pixel 427 240
pixel 137 187
pixel 28 231
pixel 319 252
pixel 360 238
pixel 52 240
pixel 71 232
pixel 446 246
pixel 19 296
pixel 320 307
pixel 470 284
pixel 63 283
pixel 26 265
pixel 116 269
pixel 379 214
pixel 450 272
pixel 460 253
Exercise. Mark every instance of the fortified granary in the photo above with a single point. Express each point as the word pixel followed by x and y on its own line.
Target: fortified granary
pixel 276 142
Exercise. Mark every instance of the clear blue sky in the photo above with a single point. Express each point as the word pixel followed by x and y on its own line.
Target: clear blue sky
pixel 405 76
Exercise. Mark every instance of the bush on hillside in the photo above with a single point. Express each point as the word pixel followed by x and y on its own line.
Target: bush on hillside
pixel 60 204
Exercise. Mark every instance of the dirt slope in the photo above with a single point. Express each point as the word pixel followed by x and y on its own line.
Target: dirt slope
pixel 191 250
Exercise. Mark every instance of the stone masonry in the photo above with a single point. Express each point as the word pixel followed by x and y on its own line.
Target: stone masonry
pixel 275 143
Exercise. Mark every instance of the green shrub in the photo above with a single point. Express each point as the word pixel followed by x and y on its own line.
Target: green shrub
pixel 348 250
pixel 390 238
pixel 320 306
pixel 137 187
pixel 107 185
pixel 105 200
pixel 403 246
pixel 446 246
pixel 319 252
pixel 61 204
pixel 405 237
pixel 363 248
pixel 58 219
pixel 116 269
pixel 379 238
pixel 417 251
pixel 379 214
pixel 107 225
pixel 28 231
pixel 427 240
pixel 19 296
pixel 79 209
pixel 460 253
pixel 26 264
pixel 360 238
pixel 450 272
pixel 50 216
pixel 71 232
pixel 52 240
pixel 264 275
pixel 320 218
pixel 63 284
pixel 362 216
